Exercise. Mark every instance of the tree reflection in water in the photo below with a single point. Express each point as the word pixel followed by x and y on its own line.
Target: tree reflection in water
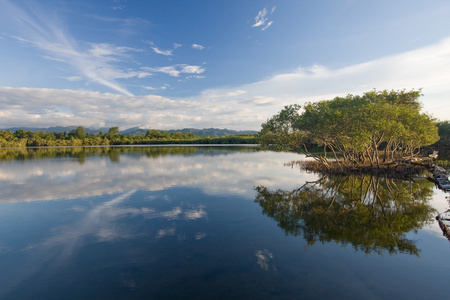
pixel 373 214
pixel 114 152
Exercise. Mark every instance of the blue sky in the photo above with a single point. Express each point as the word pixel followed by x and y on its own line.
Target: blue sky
pixel 227 64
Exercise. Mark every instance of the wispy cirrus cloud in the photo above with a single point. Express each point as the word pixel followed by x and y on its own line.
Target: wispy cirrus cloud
pixel 117 5
pixel 122 26
pixel 102 50
pixel 262 19
pixel 48 34
pixel 125 21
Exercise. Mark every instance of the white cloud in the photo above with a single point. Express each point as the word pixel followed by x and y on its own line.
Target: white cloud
pixel 262 19
pixel 163 52
pixel 195 76
pixel 191 69
pixel 225 95
pixel 176 70
pixel 197 46
pixel 48 107
pixel 170 70
pixel 150 88
pixel 235 107
pixel 267 25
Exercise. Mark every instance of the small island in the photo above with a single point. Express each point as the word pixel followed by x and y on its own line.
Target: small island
pixel 380 132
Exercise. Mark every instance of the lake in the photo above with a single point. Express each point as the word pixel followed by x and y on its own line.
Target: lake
pixel 211 222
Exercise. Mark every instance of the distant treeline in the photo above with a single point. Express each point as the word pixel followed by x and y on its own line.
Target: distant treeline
pixel 444 134
pixel 79 137
pixel 205 132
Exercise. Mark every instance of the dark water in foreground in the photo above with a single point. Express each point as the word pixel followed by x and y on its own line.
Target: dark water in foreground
pixel 211 222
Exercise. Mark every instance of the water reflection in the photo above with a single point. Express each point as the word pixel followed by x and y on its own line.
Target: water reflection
pixel 444 221
pixel 122 225
pixel 373 214
pixel 57 173
pixel 140 224
pixel 113 153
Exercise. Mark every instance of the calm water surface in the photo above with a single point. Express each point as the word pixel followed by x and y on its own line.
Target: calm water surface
pixel 211 222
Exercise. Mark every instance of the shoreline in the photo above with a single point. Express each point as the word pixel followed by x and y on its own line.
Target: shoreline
pixel 393 169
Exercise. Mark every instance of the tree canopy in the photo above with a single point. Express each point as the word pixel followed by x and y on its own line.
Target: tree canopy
pixel 354 128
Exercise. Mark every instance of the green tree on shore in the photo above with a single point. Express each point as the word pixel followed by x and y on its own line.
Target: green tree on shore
pixel 354 128
pixel 78 133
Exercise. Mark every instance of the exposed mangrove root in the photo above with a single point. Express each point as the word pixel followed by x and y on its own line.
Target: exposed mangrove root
pixel 391 170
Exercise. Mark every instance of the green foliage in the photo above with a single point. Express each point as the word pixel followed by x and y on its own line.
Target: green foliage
pixel 444 128
pixel 78 133
pixel 444 133
pixel 281 131
pixel 113 131
pixel 354 128
pixel 157 134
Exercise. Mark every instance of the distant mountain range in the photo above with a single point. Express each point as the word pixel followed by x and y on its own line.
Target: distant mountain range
pixel 214 132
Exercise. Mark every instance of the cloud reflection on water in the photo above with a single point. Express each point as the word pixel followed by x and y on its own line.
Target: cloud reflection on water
pixel 264 259
pixel 99 222
pixel 234 173
pixel 107 188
